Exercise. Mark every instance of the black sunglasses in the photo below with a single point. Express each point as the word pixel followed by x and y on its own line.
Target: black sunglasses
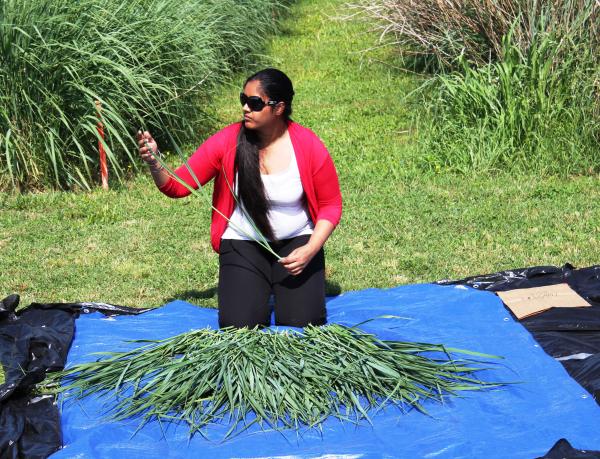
pixel 255 103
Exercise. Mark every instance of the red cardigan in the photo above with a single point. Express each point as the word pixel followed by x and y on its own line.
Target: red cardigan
pixel 216 156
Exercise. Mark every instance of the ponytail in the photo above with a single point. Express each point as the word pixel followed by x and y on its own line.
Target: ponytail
pixel 250 187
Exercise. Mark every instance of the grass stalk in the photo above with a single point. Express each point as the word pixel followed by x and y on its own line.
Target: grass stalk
pixel 262 241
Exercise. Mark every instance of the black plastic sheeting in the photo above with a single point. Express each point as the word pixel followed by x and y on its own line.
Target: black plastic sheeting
pixel 33 341
pixel 563 450
pixel 570 335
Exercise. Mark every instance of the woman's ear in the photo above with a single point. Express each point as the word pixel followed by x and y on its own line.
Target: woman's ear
pixel 279 108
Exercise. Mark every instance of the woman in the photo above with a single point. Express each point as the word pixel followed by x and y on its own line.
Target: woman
pixel 286 184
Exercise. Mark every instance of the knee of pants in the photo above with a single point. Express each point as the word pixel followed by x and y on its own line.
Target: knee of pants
pixel 301 323
pixel 240 322
pixel 301 318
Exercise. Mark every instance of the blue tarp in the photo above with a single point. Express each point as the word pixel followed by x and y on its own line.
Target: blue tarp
pixel 518 421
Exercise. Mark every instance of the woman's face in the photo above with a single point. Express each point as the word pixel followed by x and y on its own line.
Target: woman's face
pixel 265 117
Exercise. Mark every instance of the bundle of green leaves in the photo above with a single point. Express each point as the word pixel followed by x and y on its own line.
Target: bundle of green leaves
pixel 288 379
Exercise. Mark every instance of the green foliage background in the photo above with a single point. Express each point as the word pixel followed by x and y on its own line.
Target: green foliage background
pixel 151 63
pixel 401 223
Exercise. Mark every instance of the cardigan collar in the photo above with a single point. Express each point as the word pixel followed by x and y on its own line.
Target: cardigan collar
pixel 297 145
pixel 295 137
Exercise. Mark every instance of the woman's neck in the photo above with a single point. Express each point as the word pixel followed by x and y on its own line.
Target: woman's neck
pixel 272 133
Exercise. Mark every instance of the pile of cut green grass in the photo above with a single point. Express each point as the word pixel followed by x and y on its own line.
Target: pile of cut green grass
pixel 289 380
pixel 401 224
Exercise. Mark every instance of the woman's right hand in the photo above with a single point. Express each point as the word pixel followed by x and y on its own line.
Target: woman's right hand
pixel 145 140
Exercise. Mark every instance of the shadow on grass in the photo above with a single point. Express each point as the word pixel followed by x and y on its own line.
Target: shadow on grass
pixel 332 289
pixel 191 296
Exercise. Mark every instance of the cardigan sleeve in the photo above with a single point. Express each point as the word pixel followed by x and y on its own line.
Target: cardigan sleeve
pixel 326 185
pixel 205 163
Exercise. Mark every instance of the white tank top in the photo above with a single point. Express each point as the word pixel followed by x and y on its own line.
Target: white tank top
pixel 288 214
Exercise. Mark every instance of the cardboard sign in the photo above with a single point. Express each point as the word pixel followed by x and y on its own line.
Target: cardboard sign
pixel 525 302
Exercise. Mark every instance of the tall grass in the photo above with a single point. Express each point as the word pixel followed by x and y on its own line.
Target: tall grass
pixel 531 111
pixel 437 32
pixel 515 83
pixel 149 62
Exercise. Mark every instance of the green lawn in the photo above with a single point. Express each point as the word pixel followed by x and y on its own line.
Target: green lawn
pixel 136 247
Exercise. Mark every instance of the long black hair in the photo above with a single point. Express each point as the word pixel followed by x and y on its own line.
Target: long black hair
pixel 276 86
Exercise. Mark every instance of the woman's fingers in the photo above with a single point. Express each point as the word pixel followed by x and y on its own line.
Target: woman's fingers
pixel 295 267
pixel 295 262
pixel 143 141
pixel 145 151
pixel 144 137
pixel 146 146
pixel 291 258
pixel 288 262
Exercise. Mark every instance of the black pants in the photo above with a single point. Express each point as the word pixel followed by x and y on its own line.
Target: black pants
pixel 248 274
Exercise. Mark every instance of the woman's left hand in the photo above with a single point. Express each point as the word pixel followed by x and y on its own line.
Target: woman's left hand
pixel 296 261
